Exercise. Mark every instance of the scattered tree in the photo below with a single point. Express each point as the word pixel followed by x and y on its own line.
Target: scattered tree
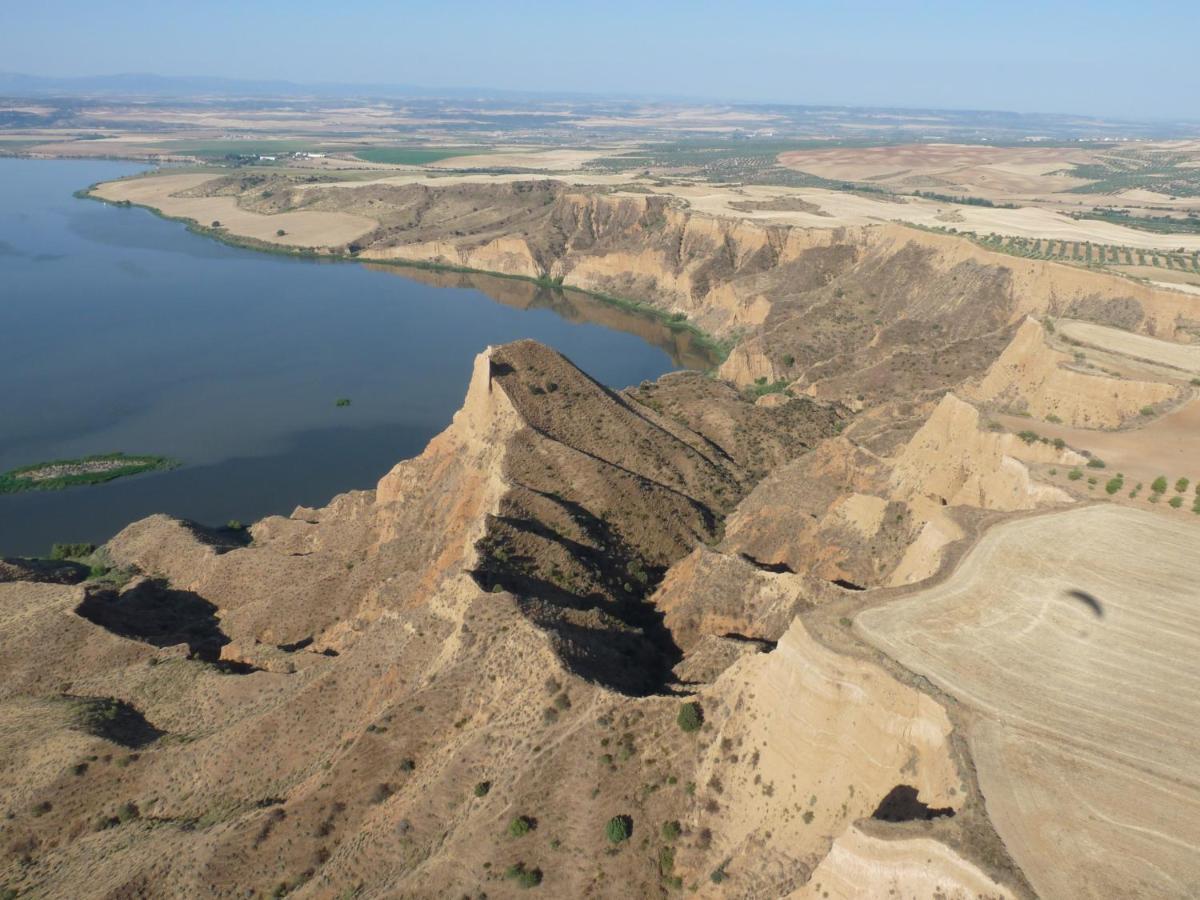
pixel 521 826
pixel 619 828
pixel 690 717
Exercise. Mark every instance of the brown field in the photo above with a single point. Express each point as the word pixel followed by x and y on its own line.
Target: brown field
pixel 308 228
pixel 992 172
pixel 1073 640
pixel 1185 357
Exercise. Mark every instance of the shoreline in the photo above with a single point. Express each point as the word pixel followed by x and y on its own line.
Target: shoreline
pixel 715 349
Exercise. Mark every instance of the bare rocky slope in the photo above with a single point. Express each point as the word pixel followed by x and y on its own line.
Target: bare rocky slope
pixel 590 643
pixel 365 696
pixel 876 311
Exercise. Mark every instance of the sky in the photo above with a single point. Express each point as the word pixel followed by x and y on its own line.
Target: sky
pixel 1120 59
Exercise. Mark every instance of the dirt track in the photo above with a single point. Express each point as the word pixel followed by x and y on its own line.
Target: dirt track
pixel 1075 637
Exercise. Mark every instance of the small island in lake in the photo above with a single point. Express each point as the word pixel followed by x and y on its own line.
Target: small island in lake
pixel 63 473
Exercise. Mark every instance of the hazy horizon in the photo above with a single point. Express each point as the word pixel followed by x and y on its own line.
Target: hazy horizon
pixel 1086 59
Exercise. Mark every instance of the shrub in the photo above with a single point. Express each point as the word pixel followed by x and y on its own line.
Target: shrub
pixel 1176 502
pixel 1147 410
pixel 127 812
pixel 618 829
pixel 719 874
pixel 666 861
pixel 382 791
pixel 526 878
pixel 1029 437
pixel 1159 485
pixel 1181 485
pixel 71 551
pixel 690 717
pixel 407 765
pixel 482 788
pixel 1096 463
pixel 671 830
pixel 1075 474
pixel 520 826
pixel 280 233
pixel 216 223
pixel 1114 484
pixel 1059 444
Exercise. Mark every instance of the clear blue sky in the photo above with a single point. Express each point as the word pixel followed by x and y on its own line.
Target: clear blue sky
pixel 1101 57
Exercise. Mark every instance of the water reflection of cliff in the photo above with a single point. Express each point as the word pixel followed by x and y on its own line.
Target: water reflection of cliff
pixel 574 306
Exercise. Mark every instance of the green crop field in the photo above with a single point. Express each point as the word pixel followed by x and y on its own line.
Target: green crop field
pixel 414 156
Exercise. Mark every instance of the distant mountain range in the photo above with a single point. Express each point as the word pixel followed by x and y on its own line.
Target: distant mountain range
pixel 150 85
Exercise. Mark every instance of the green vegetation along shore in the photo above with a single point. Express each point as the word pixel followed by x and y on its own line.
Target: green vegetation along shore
pixel 57 474
pixel 717 349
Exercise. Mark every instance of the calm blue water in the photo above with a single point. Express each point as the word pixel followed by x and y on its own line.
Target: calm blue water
pixel 120 331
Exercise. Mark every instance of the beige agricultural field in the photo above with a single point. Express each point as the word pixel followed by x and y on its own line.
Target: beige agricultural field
pixel 1074 641
pixel 1168 446
pixel 560 160
pixel 303 229
pixel 1185 357
pixel 1188 282
pixel 992 172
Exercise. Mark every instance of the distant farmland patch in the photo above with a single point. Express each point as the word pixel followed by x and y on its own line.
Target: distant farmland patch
pixel 222 149
pixel 414 156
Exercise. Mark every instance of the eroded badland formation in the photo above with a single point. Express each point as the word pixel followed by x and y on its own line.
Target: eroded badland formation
pixel 931 654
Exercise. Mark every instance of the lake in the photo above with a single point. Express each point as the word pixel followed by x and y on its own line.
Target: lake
pixel 125 332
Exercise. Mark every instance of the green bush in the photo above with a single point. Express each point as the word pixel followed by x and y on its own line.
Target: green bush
pixel 1159 485
pixel 520 826
pixel 127 812
pixel 1075 474
pixel 618 829
pixel 1096 463
pixel 1176 502
pixel 482 788
pixel 71 551
pixel 526 878
pixel 1147 410
pixel 690 717
pixel 666 861
pixel 1181 485
pixel 1114 484
pixel 671 830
